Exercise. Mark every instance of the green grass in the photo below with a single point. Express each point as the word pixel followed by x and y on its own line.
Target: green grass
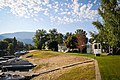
pixel 42 54
pixel 109 65
pixel 79 73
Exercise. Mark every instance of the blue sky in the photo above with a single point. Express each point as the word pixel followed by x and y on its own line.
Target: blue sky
pixel 64 15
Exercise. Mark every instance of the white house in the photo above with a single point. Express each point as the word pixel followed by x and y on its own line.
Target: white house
pixel 62 48
pixel 94 48
pixel 97 49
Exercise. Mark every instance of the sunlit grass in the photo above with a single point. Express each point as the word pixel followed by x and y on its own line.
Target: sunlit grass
pixel 79 73
pixel 42 54
pixel 109 65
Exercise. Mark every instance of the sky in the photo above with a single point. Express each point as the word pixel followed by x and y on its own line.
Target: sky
pixel 64 15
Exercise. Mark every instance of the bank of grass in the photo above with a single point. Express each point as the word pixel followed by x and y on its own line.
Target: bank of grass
pixel 79 73
pixel 109 65
pixel 41 54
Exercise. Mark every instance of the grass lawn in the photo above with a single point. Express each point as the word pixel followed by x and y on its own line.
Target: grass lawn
pixel 109 65
pixel 41 54
pixel 79 73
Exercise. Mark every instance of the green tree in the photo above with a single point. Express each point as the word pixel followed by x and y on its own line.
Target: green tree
pixel 53 35
pixel 9 40
pixel 15 44
pixel 109 29
pixel 20 46
pixel 39 38
pixel 12 45
pixel 71 41
pixel 29 47
pixel 52 41
pixel 3 47
pixel 60 38
pixel 67 35
pixel 53 45
pixel 10 49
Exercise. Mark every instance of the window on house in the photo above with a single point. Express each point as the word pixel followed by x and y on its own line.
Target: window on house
pixel 95 46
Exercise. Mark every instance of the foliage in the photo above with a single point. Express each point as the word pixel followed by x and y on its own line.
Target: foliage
pixel 20 46
pixel 10 45
pixel 53 46
pixel 71 42
pixel 51 39
pixel 60 38
pixel 109 30
pixel 29 47
pixel 9 40
pixel 14 44
pixel 39 38
pixel 3 47
pixel 66 35
pixel 77 40
pixel 53 35
pixel 10 48
pixel 93 36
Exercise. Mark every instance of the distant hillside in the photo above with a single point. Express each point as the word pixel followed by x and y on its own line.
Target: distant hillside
pixel 25 37
pixel 1 37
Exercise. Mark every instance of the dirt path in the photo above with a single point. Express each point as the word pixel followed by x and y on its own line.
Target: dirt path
pixel 56 61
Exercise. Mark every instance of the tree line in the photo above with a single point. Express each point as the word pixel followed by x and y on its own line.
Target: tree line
pixel 9 46
pixel 51 39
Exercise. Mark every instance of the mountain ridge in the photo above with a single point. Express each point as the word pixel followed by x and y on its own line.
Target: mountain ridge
pixel 23 36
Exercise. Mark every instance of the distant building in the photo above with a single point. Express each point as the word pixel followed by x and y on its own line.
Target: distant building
pixel 62 48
